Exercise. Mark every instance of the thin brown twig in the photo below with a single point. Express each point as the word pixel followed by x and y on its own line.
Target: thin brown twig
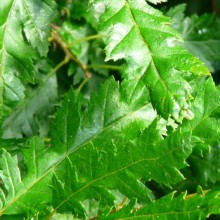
pixel 56 38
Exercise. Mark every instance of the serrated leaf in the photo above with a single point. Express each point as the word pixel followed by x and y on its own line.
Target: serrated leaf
pixel 32 118
pixel 24 28
pixel 15 186
pixel 205 125
pixel 207 167
pixel 201 35
pixel 170 207
pixel 102 134
pixel 142 37
pixel 131 160
pixel 74 130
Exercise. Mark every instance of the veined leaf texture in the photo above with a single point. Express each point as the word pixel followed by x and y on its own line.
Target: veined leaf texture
pixel 24 32
pixel 142 37
pixel 127 148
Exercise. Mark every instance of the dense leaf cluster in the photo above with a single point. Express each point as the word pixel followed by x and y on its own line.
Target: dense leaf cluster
pixel 108 110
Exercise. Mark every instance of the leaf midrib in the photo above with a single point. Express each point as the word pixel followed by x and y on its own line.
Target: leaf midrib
pixel 150 52
pixel 73 150
pixel 110 174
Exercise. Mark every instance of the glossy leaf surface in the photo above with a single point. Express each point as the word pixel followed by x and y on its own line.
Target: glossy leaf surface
pixel 22 38
pixel 180 207
pixel 142 37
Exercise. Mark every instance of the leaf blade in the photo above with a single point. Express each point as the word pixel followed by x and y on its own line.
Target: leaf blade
pixel 16 41
pixel 130 27
pixel 180 207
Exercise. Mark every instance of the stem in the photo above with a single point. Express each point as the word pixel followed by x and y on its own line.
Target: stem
pixel 70 56
pixel 67 11
pixel 62 63
pixel 92 37
pixel 194 194
pixel 124 201
pixel 82 84
pixel 66 50
pixel 57 67
pixel 103 67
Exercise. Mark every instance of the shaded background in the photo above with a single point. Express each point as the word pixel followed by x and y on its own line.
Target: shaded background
pixel 197 6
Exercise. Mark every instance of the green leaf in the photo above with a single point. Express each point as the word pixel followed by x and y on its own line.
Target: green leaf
pixel 74 36
pixel 109 113
pixel 32 118
pixel 119 153
pixel 201 35
pixel 12 144
pixel 140 158
pixel 21 34
pixel 17 196
pixel 182 207
pixel 64 217
pixel 205 125
pixel 207 167
pixel 142 37
pixel 106 131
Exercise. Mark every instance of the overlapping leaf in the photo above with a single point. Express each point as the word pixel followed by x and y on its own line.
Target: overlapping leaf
pixel 169 207
pixel 75 132
pixel 17 196
pixel 104 139
pixel 207 167
pixel 205 125
pixel 102 148
pixel 32 118
pixel 142 37
pixel 24 29
pixel 205 132
pixel 200 33
pixel 119 168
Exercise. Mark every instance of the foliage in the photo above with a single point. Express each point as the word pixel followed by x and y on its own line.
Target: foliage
pixel 107 111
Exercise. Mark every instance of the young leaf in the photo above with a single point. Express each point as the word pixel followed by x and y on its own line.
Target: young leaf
pixel 169 207
pixel 74 36
pixel 24 28
pixel 142 37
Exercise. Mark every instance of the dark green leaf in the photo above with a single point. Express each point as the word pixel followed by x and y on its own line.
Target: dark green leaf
pixel 201 35
pixel 205 125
